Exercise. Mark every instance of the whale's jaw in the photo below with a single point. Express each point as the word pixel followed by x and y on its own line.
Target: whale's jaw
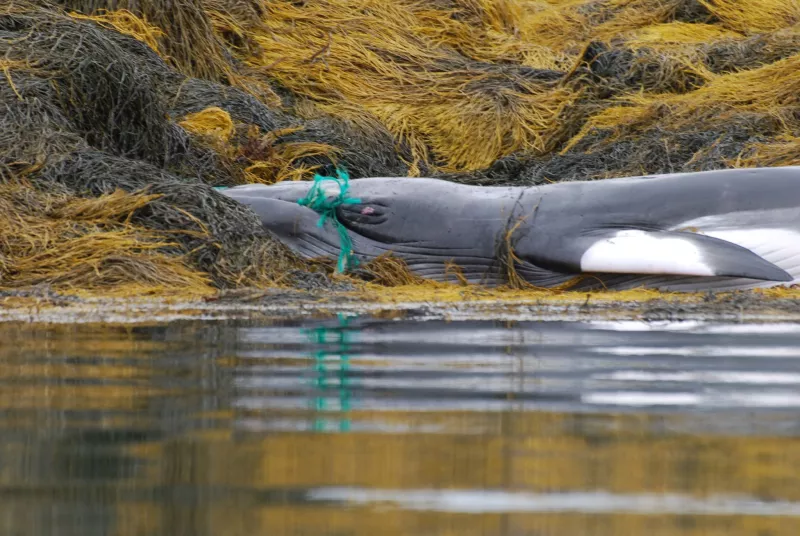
pixel 427 264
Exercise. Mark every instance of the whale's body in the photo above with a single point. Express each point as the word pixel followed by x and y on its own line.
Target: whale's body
pixel 727 229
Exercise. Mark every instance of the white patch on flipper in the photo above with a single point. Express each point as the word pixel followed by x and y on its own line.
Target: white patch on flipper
pixel 765 233
pixel 774 235
pixel 778 246
pixel 640 252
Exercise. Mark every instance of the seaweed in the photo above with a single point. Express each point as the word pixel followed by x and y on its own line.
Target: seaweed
pixel 187 34
pixel 84 117
pixel 134 111
pixel 364 148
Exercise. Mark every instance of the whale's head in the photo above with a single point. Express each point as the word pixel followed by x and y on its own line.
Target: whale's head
pixel 405 218
pixel 296 226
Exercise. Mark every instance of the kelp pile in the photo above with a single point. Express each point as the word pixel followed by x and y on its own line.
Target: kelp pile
pixel 118 118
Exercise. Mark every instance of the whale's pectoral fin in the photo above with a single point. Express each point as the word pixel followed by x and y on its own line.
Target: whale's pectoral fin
pixel 635 251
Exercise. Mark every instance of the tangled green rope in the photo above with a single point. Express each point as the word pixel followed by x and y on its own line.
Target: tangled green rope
pixel 326 206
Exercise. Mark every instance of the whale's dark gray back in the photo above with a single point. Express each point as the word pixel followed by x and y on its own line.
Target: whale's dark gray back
pixel 667 200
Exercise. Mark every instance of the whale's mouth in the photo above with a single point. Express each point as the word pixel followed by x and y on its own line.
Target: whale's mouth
pixel 308 238
pixel 292 224
pixel 298 228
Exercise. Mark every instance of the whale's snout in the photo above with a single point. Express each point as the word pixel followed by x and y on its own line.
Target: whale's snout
pixel 294 225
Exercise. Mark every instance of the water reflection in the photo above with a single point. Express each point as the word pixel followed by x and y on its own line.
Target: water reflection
pixel 361 426
pixel 331 362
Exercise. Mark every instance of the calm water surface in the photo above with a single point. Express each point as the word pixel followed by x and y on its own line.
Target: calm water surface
pixel 358 426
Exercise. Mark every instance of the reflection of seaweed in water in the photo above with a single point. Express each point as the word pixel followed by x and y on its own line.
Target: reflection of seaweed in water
pixel 97 455
pixel 341 338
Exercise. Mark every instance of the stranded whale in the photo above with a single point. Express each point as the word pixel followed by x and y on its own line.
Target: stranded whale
pixel 727 229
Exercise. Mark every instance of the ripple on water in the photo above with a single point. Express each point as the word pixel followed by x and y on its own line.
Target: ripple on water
pixel 366 426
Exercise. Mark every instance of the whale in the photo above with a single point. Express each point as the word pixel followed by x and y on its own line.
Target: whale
pixel 709 230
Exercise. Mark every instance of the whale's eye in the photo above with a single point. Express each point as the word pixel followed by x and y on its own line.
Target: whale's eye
pixel 365 213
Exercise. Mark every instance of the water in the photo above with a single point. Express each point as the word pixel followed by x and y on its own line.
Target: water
pixel 358 426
